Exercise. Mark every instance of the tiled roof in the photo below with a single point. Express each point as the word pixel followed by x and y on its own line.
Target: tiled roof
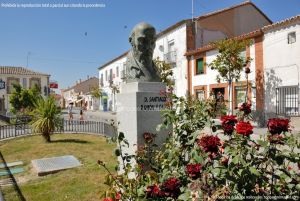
pixel 281 23
pixel 211 46
pixel 81 83
pixel 233 7
pixel 19 71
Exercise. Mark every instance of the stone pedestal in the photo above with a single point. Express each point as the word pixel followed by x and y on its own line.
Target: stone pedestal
pixel 139 106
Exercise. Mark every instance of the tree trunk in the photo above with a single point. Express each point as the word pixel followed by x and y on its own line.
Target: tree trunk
pixel 47 137
pixel 230 96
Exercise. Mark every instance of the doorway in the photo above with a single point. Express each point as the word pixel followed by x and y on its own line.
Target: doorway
pixel 2 106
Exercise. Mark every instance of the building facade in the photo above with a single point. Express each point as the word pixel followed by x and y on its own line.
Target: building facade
pixel 202 79
pixel 281 47
pixel 25 77
pixel 80 94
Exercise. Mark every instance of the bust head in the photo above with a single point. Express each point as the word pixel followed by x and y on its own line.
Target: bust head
pixel 142 40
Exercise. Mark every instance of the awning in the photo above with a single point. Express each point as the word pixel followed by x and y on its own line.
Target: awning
pixel 77 101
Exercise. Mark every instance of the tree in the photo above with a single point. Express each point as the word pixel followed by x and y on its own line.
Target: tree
pixel 23 100
pixel 165 71
pixel 96 92
pixel 46 117
pixel 229 62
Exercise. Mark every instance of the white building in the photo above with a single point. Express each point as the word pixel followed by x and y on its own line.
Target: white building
pixel 281 47
pixel 171 45
pixel 80 94
pixel 202 79
pixel 25 77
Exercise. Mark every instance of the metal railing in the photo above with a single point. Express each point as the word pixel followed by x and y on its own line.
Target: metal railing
pixel 287 101
pixel 170 57
pixel 95 127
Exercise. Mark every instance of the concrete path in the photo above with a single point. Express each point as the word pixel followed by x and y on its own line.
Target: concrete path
pixel 91 115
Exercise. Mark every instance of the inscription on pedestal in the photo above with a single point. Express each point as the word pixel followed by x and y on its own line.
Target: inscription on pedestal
pixel 153 103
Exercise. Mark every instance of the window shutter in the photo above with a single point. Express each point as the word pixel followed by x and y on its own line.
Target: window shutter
pixel 200 69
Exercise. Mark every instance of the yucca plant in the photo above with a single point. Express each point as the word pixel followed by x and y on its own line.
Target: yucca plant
pixel 46 117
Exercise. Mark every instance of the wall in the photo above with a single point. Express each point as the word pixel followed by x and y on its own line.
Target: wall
pixel 111 103
pixel 281 62
pixel 178 35
pixel 228 24
pixel 208 79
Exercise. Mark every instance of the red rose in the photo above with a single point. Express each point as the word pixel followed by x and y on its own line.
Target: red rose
pixel 228 128
pixel 277 125
pixel 149 137
pixel 244 128
pixel 171 187
pixel 246 108
pixel 108 199
pixel 193 170
pixel 153 191
pixel 118 196
pixel 229 119
pixel 210 143
pixel 228 123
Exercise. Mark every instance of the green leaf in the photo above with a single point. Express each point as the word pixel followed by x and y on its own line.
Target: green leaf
pixel 216 171
pixel 262 143
pixel 235 160
pixel 185 196
pixel 254 171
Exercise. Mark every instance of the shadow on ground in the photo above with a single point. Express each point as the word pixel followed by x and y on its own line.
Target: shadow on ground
pixel 71 141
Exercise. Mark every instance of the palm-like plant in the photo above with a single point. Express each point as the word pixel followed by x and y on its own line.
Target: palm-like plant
pixel 46 117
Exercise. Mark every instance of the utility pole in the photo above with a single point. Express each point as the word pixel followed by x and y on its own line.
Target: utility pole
pixel 28 54
pixel 193 10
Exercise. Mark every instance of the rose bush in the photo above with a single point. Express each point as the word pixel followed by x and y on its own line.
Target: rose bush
pixel 193 165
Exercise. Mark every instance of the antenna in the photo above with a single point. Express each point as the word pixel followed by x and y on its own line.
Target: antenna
pixel 192 10
pixel 27 60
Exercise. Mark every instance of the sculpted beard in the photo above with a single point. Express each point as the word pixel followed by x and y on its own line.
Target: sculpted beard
pixel 144 57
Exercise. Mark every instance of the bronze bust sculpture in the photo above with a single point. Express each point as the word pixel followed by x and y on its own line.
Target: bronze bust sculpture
pixel 139 64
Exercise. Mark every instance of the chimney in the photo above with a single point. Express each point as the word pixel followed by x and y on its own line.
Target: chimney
pixel 88 77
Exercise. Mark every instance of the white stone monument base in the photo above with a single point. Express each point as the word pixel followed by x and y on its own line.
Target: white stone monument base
pixel 139 106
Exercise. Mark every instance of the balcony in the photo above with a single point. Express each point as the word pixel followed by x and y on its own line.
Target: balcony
pixel 170 57
pixel 123 75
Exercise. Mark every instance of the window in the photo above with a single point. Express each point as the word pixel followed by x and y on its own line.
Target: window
pixel 200 94
pixel 106 75
pixel 199 66
pixel 10 82
pixel 287 100
pixel 243 55
pixel 240 95
pixel 35 82
pixel 101 80
pixel 291 37
pixel 117 71
pixel 25 83
pixel 110 75
pixel 171 46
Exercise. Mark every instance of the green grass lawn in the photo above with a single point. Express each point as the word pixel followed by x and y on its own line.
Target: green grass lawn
pixel 84 183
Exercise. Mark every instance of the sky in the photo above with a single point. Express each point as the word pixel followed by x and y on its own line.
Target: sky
pixel 71 43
